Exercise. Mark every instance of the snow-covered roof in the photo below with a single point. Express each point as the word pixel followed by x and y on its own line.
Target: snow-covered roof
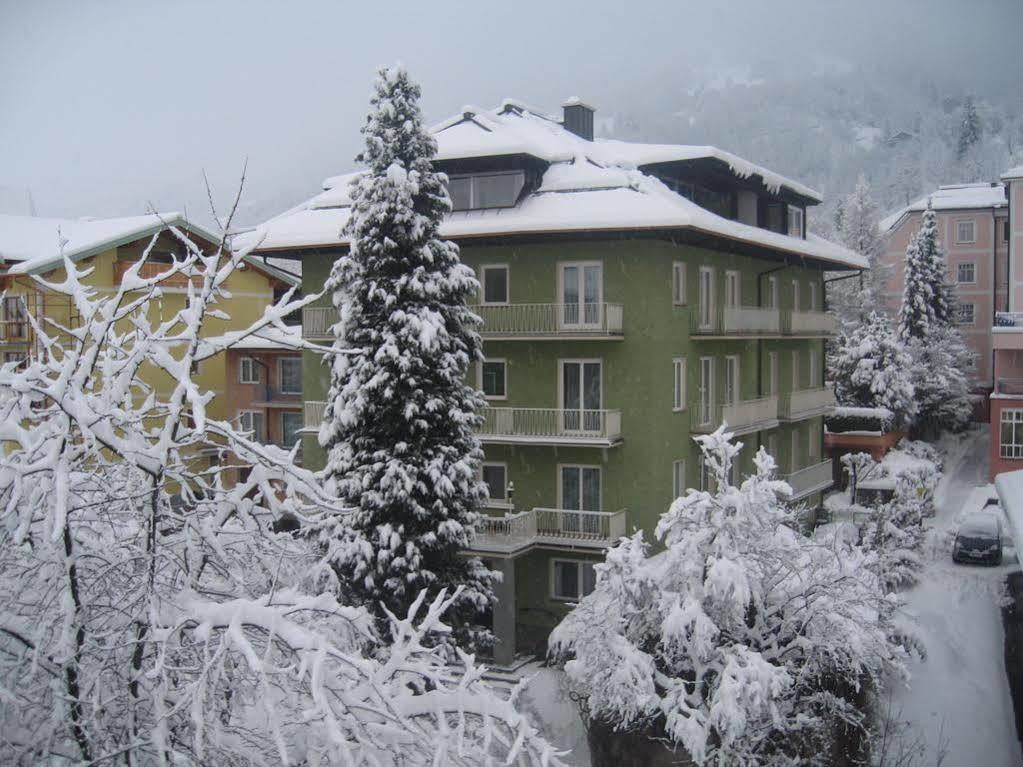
pixel 952 197
pixel 269 338
pixel 32 245
pixel 588 186
pixel 1013 173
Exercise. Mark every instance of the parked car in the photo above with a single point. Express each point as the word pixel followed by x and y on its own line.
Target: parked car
pixel 979 539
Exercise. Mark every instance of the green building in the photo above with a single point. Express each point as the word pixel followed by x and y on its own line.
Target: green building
pixel 633 296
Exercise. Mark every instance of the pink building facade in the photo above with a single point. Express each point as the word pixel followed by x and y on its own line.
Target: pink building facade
pixel 1007 343
pixel 974 232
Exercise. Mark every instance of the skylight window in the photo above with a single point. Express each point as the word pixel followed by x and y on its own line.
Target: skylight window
pixel 486 190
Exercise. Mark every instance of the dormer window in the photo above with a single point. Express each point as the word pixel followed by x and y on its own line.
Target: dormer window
pixel 795 221
pixel 486 190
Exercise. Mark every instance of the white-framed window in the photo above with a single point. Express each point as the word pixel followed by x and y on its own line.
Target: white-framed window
pixel 772 293
pixel 252 421
pixel 731 379
pixel 498 189
pixel 494 283
pixel 966 232
pixel 15 318
pixel 289 375
pixel 795 296
pixel 795 221
pixel 794 457
pixel 1010 441
pixel 291 424
pixel 248 371
pixel 581 288
pixel 813 438
pixel 965 313
pixel 678 390
pixel 678 478
pixel 580 392
pixel 733 289
pixel 678 283
pixel 966 273
pixel 494 378
pixel 772 373
pixel 813 297
pixel 572 579
pixel 706 475
pixel 813 368
pixel 772 447
pixel 495 475
pixel 706 390
pixel 706 297
pixel 795 370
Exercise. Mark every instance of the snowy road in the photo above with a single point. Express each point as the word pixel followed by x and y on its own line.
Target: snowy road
pixel 958 698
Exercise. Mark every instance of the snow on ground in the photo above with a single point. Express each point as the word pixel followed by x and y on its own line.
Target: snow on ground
pixel 958 697
pixel 546 703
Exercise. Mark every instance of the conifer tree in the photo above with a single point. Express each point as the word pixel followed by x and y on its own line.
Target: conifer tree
pixel 926 298
pixel 400 420
pixel 969 129
pixel 857 227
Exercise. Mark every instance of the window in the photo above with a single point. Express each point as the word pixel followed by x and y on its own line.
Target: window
pixel 1005 230
pixel 251 421
pixel 794 457
pixel 291 424
pixel 678 401
pixel 495 475
pixel 489 190
pixel 289 375
pixel 19 357
pixel 772 446
pixel 706 297
pixel 774 217
pixel 732 289
pixel 579 491
pixel 706 476
pixel 678 283
pixel 678 478
pixel 581 395
pixel 772 293
pixel 795 370
pixel 248 371
pixel 572 579
pixel 965 314
pixel 494 375
pixel 731 379
pixel 706 389
pixel 795 296
pixel 1011 439
pixel 15 318
pixel 795 221
pixel 966 273
pixel 582 287
pixel 813 297
pixel 966 232
pixel 772 373
pixel 495 284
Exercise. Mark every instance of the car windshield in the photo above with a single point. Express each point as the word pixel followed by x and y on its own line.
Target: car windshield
pixel 979 525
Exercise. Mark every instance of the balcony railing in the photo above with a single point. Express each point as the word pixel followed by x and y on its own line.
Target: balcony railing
pixel 738 320
pixel 317 322
pixel 558 527
pixel 809 480
pixel 548 426
pixel 810 324
pixel 540 321
pixel 742 416
pixel 1009 319
pixel 1012 386
pixel 806 403
pixel 312 415
pixel 273 395
pixel 150 270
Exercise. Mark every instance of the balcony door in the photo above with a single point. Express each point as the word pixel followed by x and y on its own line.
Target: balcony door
pixel 579 491
pixel 706 297
pixel 582 286
pixel 580 396
pixel 731 380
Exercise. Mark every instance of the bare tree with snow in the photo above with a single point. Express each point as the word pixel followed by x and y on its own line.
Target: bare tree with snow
pixel 149 614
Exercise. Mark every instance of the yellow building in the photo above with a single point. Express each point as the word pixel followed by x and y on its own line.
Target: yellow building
pixel 32 247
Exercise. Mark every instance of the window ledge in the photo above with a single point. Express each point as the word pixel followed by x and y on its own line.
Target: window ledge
pixel 502 505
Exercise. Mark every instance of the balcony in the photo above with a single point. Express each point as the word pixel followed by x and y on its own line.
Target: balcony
pixel 810 480
pixel 272 396
pixel 538 322
pixel 1011 386
pixel 312 415
pixel 741 416
pixel 810 324
pixel 317 322
pixel 548 426
pixel 730 321
pixel 806 403
pixel 550 527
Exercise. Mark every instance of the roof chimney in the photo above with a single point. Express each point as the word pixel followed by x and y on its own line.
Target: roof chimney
pixel 578 118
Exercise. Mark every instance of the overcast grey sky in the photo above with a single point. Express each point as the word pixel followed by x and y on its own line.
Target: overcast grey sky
pixel 108 106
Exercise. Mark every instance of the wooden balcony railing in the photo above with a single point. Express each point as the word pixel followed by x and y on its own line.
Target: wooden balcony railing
pixel 558 527
pixel 550 426
pixel 539 321
pixel 317 322
pixel 811 479
pixel 742 416
pixel 806 403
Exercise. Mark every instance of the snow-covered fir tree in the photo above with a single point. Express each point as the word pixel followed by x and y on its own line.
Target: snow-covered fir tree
pixel 400 421
pixel 743 641
pixel 150 612
pixel 942 367
pixel 926 297
pixel 969 139
pixel 871 367
pixel 856 225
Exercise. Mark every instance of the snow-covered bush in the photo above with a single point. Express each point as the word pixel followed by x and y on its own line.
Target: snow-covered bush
pixel 399 428
pixel 871 368
pixel 148 612
pixel 743 641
